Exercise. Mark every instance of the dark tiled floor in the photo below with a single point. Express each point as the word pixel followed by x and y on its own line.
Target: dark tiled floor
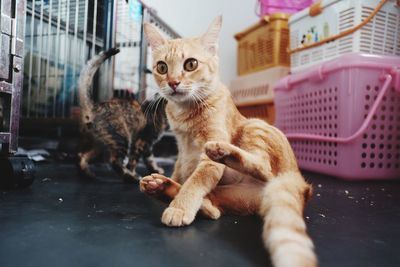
pixel 63 221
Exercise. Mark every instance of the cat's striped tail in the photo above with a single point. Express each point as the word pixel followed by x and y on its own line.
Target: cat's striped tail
pixel 284 232
pixel 85 82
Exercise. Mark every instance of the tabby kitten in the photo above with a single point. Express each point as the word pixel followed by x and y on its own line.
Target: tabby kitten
pixel 226 163
pixel 119 126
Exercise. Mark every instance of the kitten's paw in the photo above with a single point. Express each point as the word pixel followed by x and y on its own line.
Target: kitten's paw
pixel 216 151
pixel 154 184
pixel 176 217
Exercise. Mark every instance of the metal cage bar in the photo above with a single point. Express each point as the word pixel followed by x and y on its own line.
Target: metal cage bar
pixel 62 35
pixel 11 65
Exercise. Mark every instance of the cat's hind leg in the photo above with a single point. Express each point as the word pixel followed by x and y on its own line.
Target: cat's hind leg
pixel 241 160
pixel 124 165
pixel 148 159
pixel 85 158
pixel 242 198
pixel 237 193
pixel 130 174
pixel 152 165
pixel 259 150
pixel 165 189
pixel 135 152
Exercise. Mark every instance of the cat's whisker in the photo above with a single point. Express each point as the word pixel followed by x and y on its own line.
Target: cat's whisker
pixel 146 111
pixel 196 99
pixel 155 111
pixel 150 107
pixel 201 101
pixel 201 95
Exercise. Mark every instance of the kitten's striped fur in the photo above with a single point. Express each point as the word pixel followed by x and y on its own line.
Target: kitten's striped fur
pixel 119 126
pixel 226 163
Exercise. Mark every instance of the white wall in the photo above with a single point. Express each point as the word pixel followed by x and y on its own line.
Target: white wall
pixel 191 18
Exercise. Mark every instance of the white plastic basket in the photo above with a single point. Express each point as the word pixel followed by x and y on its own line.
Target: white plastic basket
pixel 380 36
pixel 256 88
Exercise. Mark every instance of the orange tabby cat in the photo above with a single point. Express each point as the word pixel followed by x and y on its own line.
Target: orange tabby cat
pixel 226 163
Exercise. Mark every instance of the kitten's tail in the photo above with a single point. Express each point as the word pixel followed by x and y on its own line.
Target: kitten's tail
pixel 284 232
pixel 85 82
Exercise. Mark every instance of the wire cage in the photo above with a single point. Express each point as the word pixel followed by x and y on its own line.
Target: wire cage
pixel 44 44
pixel 61 35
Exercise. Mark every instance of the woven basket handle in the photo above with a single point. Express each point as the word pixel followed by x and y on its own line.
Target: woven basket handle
pixel 312 137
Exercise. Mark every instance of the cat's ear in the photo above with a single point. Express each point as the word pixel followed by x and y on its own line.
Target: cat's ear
pixel 154 38
pixel 210 38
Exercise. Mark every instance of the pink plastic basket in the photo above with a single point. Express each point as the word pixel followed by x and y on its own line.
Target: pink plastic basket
pixel 268 7
pixel 343 116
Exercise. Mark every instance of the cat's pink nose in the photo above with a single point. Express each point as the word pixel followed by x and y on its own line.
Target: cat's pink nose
pixel 174 85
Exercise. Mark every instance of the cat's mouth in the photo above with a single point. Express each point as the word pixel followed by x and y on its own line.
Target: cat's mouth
pixel 178 93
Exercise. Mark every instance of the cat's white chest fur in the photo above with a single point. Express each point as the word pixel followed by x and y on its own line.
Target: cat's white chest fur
pixel 190 150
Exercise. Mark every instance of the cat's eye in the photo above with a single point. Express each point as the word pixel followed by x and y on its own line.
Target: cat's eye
pixel 162 67
pixel 190 64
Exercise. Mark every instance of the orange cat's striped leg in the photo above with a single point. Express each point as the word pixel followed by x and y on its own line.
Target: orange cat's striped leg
pixel 183 209
pixel 176 174
pixel 254 164
pixel 240 198
pixel 165 189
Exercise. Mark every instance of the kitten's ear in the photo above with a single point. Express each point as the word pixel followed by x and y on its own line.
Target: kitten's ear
pixel 154 38
pixel 210 38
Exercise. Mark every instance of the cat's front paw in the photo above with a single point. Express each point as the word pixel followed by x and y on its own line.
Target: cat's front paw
pixel 216 151
pixel 153 184
pixel 176 217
